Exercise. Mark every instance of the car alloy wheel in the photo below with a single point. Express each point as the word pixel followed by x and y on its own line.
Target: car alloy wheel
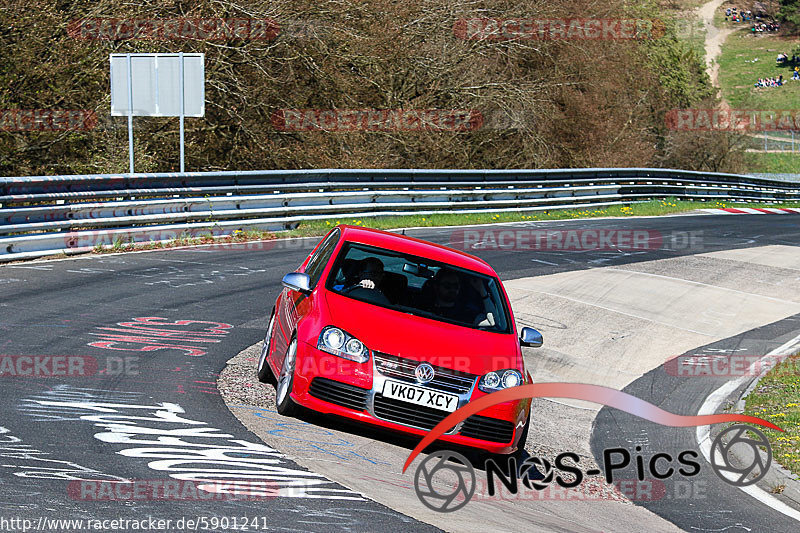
pixel 265 374
pixel 283 400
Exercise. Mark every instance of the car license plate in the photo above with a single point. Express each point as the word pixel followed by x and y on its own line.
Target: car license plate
pixel 420 396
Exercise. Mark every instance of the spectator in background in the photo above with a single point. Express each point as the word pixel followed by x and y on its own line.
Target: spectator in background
pixel 776 81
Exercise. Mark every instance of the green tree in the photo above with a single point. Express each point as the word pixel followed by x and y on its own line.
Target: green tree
pixel 789 11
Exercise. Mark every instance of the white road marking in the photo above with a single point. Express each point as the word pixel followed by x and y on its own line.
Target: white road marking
pixel 712 403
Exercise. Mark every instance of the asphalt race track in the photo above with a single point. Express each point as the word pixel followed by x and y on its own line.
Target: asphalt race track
pixel 137 341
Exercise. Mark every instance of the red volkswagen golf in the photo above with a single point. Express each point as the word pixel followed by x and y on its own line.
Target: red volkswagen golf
pixel 398 332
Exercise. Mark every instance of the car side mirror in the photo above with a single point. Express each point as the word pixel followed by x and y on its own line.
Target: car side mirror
pixel 297 281
pixel 530 337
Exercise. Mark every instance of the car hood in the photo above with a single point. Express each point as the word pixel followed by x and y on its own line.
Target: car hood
pixel 422 339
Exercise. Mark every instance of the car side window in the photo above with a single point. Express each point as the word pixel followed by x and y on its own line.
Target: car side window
pixel 317 263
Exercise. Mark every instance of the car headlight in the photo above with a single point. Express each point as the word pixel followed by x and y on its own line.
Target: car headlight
pixel 499 380
pixel 337 342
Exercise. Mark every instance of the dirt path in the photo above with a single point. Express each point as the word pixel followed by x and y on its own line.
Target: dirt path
pixel 715 37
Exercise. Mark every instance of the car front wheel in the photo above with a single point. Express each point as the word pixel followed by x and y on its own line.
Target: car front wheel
pixel 283 401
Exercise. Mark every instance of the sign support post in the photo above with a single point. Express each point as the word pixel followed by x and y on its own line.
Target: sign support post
pixel 183 97
pixel 130 117
pixel 158 85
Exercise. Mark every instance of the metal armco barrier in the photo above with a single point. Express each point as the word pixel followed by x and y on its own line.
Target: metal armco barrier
pixel 46 215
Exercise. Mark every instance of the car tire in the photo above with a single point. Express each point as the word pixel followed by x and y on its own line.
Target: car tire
pixel 283 388
pixel 524 437
pixel 265 374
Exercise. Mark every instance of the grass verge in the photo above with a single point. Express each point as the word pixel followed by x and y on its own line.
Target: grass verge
pixel 320 227
pixel 773 163
pixel 777 399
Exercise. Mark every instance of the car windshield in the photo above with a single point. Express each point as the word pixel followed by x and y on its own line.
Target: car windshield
pixel 419 286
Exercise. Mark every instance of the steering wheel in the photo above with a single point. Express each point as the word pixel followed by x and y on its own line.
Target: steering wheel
pixel 351 288
pixel 375 295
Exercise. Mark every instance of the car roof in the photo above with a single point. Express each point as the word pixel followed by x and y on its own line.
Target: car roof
pixel 414 246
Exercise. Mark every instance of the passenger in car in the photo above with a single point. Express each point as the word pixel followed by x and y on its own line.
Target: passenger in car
pixel 447 298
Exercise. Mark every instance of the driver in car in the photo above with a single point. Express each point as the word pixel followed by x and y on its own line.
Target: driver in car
pixel 366 283
pixel 371 273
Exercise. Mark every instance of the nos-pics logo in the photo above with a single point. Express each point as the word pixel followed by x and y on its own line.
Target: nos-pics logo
pixel 445 481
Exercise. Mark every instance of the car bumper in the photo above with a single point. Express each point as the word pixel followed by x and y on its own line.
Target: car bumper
pixel 330 385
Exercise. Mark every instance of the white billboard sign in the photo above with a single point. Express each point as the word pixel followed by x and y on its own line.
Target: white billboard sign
pixel 149 85
pixel 157 85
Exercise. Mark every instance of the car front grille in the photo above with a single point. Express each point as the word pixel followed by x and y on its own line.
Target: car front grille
pixel 476 427
pixel 445 380
pixel 485 428
pixel 339 393
pixel 406 413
